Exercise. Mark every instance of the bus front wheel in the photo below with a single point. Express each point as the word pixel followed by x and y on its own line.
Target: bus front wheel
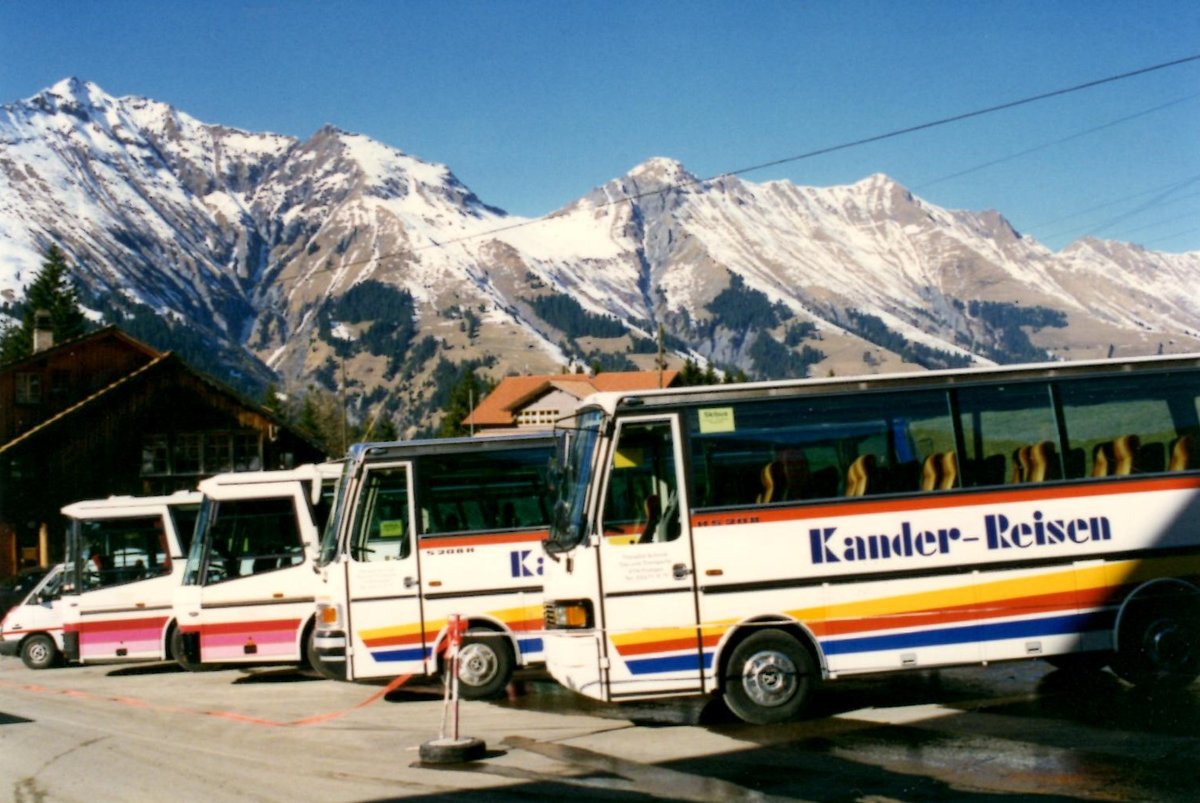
pixel 485 664
pixel 180 653
pixel 40 652
pixel 769 678
pixel 1158 640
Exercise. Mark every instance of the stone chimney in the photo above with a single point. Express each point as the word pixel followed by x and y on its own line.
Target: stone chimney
pixel 43 331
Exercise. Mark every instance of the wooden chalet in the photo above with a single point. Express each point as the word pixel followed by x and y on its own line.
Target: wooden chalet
pixel 105 414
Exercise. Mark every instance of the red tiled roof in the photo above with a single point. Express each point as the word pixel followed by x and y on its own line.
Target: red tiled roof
pixel 501 406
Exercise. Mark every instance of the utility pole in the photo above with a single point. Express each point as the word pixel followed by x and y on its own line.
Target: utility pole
pixel 661 360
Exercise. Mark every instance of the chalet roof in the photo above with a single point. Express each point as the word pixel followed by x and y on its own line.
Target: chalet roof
pixel 161 362
pixel 104 333
pixel 514 393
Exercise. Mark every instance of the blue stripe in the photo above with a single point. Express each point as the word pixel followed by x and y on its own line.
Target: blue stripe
pixel 410 654
pixel 671 663
pixel 1024 628
pixel 528 645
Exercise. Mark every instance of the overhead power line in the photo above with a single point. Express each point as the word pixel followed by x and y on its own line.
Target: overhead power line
pixel 899 132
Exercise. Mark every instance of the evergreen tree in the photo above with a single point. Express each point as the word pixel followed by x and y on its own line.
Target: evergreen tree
pixel 466 393
pixel 53 292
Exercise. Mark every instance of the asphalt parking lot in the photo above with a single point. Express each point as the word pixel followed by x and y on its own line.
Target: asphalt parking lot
pixel 148 732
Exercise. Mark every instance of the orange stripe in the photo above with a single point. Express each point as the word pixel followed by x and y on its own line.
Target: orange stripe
pixel 481 539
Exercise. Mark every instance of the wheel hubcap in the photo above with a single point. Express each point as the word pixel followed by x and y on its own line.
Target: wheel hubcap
pixel 1170 646
pixel 477 664
pixel 770 678
pixel 38 653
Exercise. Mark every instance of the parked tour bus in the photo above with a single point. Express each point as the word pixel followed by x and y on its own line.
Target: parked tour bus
pixel 752 540
pixel 425 530
pixel 33 627
pixel 124 557
pixel 248 590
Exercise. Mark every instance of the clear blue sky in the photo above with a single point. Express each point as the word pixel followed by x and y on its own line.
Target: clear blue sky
pixel 532 104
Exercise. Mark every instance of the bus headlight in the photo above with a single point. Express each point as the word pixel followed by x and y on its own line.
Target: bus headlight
pixel 568 614
pixel 329 616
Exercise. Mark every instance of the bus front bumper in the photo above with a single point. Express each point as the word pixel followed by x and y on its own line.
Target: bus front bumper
pixel 329 653
pixel 573 659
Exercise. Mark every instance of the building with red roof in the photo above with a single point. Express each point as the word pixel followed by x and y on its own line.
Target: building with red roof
pixel 536 402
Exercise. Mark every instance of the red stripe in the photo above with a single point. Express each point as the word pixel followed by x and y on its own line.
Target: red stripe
pixel 221 628
pixel 103 626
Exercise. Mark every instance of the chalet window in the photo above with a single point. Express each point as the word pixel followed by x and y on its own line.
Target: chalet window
pixel 201 453
pixel 155 455
pixel 189 453
pixel 29 388
pixel 218 452
pixel 247 456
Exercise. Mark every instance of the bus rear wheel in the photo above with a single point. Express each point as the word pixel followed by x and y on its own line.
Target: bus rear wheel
pixel 39 652
pixel 770 678
pixel 485 665
pixel 1158 640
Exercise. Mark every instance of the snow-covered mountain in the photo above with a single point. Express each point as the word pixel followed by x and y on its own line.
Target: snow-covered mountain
pixel 301 262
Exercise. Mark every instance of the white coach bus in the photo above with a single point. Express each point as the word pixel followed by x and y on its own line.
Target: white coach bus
pixel 248 590
pixel 753 540
pixel 124 559
pixel 427 529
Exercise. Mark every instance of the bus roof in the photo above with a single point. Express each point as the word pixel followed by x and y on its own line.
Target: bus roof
pixel 309 472
pixel 398 449
pixel 132 505
pixel 609 402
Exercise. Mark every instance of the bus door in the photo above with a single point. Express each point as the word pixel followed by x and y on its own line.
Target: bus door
pixel 385 622
pixel 647 579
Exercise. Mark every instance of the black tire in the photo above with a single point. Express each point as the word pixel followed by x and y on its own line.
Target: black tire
pixel 179 653
pixel 485 664
pixel 1158 640
pixel 40 652
pixel 452 751
pixel 769 678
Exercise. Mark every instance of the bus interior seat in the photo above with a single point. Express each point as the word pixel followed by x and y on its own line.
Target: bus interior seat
pixel 948 464
pixel 773 482
pixel 1102 459
pixel 1021 467
pixel 1043 462
pixel 1181 454
pixel 1125 450
pixel 860 476
pixel 931 471
pixel 652 506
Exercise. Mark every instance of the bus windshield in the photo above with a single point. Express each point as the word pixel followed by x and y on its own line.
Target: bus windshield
pixel 329 538
pixel 576 449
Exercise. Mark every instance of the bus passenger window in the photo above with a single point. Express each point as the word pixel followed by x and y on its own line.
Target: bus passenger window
pixel 1001 425
pixel 1127 424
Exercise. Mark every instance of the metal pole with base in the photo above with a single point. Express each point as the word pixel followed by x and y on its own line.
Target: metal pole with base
pixel 452 748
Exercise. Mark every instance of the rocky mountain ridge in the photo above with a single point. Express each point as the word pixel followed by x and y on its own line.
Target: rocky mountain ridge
pixel 340 260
